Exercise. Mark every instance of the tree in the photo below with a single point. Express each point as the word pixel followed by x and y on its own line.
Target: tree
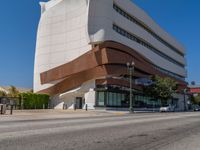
pixel 161 88
pixel 195 99
pixel 3 94
pixel 13 92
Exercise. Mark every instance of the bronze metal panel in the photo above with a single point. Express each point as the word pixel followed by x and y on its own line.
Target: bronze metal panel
pixel 108 58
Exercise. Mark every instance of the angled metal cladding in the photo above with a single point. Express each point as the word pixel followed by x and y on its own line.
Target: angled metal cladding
pixel 106 59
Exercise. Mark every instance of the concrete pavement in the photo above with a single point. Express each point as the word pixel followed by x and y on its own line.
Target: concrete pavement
pixel 100 130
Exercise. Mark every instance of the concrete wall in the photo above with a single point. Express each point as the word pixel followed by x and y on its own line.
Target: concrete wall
pixel 86 91
pixel 181 102
pixel 62 36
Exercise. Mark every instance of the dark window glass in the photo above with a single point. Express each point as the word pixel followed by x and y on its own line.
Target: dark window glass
pixel 141 24
pixel 147 45
pixel 134 38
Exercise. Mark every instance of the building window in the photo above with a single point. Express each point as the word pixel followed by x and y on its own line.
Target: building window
pixel 145 44
pixel 141 24
pixel 118 99
pixel 101 98
pixel 169 73
pixel 115 99
pixel 121 99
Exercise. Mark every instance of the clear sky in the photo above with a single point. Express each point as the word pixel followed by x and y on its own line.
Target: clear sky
pixel 18 27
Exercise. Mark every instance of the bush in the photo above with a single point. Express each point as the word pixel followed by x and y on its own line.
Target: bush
pixel 34 101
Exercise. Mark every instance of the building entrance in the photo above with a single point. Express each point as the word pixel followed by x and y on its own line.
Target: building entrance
pixel 79 102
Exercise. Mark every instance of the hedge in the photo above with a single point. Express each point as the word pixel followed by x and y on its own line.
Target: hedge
pixel 34 101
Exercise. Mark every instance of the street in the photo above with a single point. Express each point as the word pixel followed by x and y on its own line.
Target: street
pixel 103 131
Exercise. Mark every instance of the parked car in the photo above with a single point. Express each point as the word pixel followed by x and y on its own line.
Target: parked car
pixel 167 108
pixel 196 108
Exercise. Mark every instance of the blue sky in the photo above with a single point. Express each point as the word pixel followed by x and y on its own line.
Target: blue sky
pixel 18 27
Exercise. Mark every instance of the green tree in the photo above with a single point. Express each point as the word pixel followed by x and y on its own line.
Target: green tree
pixel 195 99
pixel 13 92
pixel 3 94
pixel 161 88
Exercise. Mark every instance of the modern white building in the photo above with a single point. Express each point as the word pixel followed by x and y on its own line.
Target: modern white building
pixel 83 47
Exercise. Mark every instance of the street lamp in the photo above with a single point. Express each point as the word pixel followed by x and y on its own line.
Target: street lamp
pixel 130 67
pixel 185 92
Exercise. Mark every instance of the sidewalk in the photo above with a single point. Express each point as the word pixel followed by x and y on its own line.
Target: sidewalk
pixel 72 113
pixel 55 114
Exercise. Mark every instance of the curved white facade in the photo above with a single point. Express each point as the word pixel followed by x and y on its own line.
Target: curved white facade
pixel 69 28
pixel 62 36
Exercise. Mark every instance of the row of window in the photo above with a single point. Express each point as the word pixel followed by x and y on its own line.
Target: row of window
pixel 110 99
pixel 145 44
pixel 170 73
pixel 145 101
pixel 121 99
pixel 138 22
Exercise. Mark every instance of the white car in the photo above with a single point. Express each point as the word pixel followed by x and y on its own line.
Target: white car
pixel 167 108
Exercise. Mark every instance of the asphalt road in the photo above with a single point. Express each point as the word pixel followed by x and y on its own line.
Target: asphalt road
pixel 159 131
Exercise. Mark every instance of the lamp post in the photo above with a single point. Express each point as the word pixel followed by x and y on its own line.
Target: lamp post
pixel 130 67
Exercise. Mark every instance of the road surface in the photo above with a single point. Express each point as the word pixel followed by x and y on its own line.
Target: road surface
pixel 150 131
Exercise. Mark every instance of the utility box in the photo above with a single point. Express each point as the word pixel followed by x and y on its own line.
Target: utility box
pixel 2 109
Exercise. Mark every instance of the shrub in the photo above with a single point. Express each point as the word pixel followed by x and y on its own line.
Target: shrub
pixel 34 101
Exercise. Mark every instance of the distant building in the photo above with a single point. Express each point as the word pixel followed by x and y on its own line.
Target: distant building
pixel 83 47
pixel 194 89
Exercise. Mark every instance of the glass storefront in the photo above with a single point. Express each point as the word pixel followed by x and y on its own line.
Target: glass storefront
pixel 142 101
pixel 114 99
pixel 117 98
pixel 101 98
